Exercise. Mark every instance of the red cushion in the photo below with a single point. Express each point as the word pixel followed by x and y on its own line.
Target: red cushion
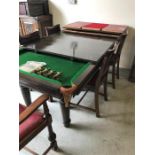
pixel 94 26
pixel 29 124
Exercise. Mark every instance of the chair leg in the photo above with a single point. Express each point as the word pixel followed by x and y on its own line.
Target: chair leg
pixel 113 76
pixel 50 99
pixel 105 88
pixel 52 137
pixel 26 95
pixel 117 70
pixel 96 102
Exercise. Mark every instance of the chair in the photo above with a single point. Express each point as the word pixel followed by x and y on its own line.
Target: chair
pixel 99 78
pixel 32 122
pixel 106 64
pixel 29 38
pixel 52 29
pixel 116 58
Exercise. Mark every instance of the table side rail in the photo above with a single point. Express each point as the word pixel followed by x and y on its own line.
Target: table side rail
pixel 84 78
pixel 39 85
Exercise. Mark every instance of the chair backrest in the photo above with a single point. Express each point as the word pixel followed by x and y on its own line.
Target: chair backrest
pixel 105 62
pixel 27 39
pixel 52 29
pixel 116 46
pixel 120 41
pixel 102 72
pixel 104 66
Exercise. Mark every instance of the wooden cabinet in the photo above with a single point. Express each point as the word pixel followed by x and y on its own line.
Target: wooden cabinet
pixel 28 24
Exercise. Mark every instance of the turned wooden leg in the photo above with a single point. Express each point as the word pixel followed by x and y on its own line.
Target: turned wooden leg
pixel 65 114
pixel 26 95
pixel 105 88
pixel 117 70
pixel 97 102
pixel 52 135
pixel 50 99
pixel 113 76
pixel 96 97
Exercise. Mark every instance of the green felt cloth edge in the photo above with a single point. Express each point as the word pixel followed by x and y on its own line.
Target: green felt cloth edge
pixel 41 77
pixel 68 83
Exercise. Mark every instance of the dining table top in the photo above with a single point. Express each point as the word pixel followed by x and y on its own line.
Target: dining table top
pixel 83 47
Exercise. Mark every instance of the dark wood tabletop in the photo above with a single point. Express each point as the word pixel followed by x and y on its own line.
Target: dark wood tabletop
pixel 82 47
pixel 77 46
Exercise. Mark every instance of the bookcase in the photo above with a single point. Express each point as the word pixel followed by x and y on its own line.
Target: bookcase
pixel 34 16
pixel 28 24
pixel 33 7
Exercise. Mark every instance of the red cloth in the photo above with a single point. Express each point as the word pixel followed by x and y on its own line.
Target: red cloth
pixel 29 124
pixel 96 25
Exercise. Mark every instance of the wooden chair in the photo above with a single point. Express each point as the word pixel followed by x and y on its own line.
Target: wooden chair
pixel 116 58
pixel 105 65
pixel 52 29
pixel 99 78
pixel 30 38
pixel 32 122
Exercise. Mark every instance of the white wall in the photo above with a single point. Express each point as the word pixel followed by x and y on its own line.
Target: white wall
pixel 106 11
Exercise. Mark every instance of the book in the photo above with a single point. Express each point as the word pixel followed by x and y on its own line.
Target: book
pixel 30 66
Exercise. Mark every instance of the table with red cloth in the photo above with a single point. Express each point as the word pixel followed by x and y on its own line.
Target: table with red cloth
pixel 102 28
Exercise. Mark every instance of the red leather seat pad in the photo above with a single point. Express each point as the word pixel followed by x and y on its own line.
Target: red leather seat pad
pixel 29 124
pixel 96 25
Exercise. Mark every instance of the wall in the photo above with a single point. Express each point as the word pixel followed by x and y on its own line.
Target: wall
pixel 106 11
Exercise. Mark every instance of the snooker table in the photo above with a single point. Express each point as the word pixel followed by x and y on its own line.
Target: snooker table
pixel 75 74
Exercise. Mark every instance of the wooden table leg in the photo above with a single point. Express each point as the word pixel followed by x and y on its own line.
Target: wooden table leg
pixel 26 95
pixel 65 114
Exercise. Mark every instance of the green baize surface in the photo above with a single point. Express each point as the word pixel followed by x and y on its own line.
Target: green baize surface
pixel 71 69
